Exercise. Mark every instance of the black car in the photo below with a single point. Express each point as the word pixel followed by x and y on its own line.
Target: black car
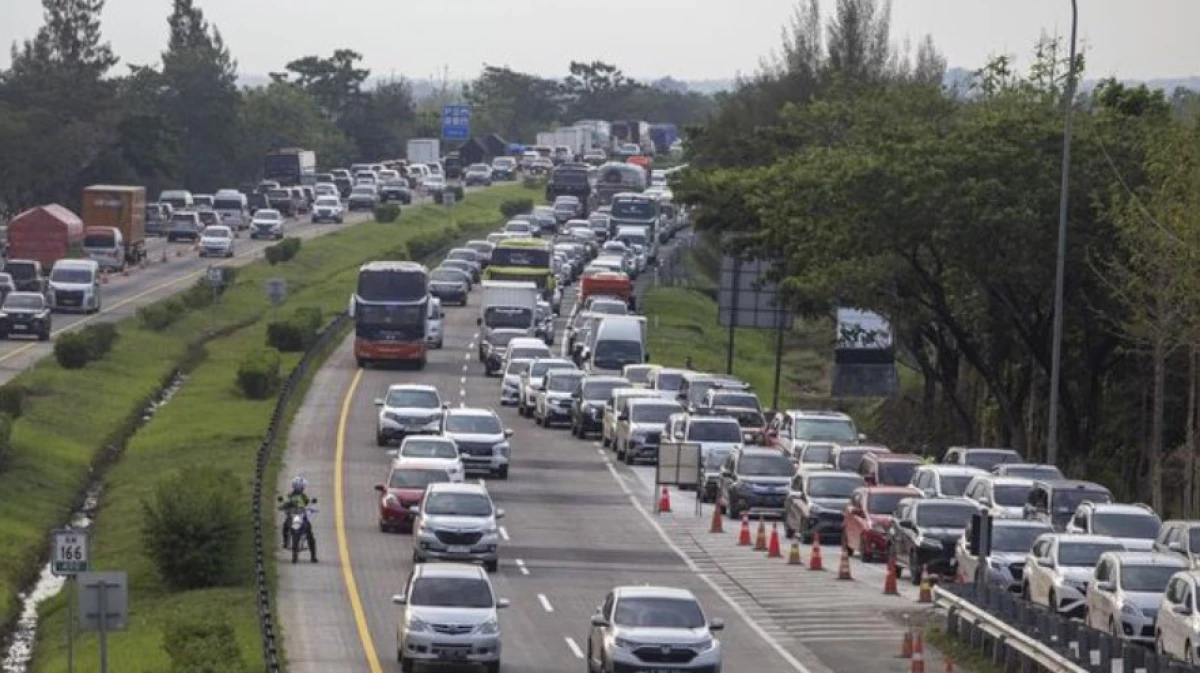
pixel 587 402
pixel 284 201
pixel 816 504
pixel 344 185
pixel 924 533
pixel 25 313
pixel 504 168
pixel 494 346
pixel 450 285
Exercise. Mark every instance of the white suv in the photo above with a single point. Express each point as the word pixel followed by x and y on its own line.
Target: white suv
pixel 408 409
pixel 1123 599
pixel 1177 629
pixel 645 628
pixel 1134 526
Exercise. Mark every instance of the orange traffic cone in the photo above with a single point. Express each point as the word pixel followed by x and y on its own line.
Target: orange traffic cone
pixel 844 566
pixel 794 555
pixel 926 594
pixel 949 665
pixel 773 550
pixel 717 526
pixel 744 536
pixel 889 579
pixel 918 655
pixel 760 537
pixel 104 276
pixel 906 645
pixel 814 560
pixel 664 501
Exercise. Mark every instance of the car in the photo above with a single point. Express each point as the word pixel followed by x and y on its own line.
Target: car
pixel 1177 626
pixel 1002 497
pixel 944 481
pixel 266 223
pixel 924 533
pixel 640 427
pixel 448 614
pixel 716 435
pixel 434 184
pixel 493 347
pixel 468 267
pixel 477 174
pixel 25 313
pixel 363 197
pixel 1005 564
pixel 888 469
pixel 217 241
pixel 755 481
pixel 483 441
pixel 600 224
pixel 815 455
pixel 1035 471
pixel 434 450
pixel 408 409
pixel 518 227
pixel 185 224
pixel 544 220
pixel 328 208
pixel 7 285
pixel 450 285
pixel 1060 566
pixel 404 488
pixel 392 187
pixel 567 208
pixel 1123 599
pixel 510 380
pixel 983 458
pixel 653 628
pixel 484 249
pixel 587 402
pixel 815 503
pixel 553 402
pixel 1056 502
pixel 326 189
pixel 614 406
pixel 504 168
pixel 457 522
pixel 468 256
pixel 867 518
pixel 283 200
pixel 1180 537
pixel 740 404
pixel 532 380
pixel 208 218
pixel 1135 526
pixel 849 457
pixel 790 430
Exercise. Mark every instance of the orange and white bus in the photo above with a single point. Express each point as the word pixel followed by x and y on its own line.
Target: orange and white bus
pixel 390 308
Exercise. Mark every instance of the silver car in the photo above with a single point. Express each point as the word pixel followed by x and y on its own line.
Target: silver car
pixel 216 241
pixel 553 402
pixel 457 522
pixel 448 615
pixel 1123 600
pixel 645 628
pixel 532 379
pixel 483 441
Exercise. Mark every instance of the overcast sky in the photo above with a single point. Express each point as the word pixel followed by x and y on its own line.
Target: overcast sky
pixel 687 39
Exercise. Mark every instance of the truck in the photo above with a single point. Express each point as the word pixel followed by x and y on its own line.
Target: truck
pixel 508 304
pixel 626 131
pixel 546 139
pixel 573 138
pixel 597 133
pixel 114 218
pixel 606 283
pixel 663 136
pixel 452 166
pixel 45 234
pixel 424 151
pixel 290 166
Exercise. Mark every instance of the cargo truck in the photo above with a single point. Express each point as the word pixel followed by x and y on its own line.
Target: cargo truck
pixel 663 136
pixel 290 167
pixel 573 138
pixel 424 151
pixel 45 234
pixel 545 139
pixel 506 305
pixel 114 218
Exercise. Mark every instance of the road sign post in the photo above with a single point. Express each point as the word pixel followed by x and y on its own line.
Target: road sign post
pixel 456 122
pixel 103 606
pixel 448 198
pixel 216 278
pixel 69 554
pixel 276 293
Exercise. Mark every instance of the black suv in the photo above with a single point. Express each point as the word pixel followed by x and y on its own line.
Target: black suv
pixel 25 313
pixel 587 402
pixel 817 503
pixel 755 481
pixel 924 534
pixel 27 275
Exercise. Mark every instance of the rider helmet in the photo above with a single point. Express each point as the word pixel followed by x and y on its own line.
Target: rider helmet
pixel 298 484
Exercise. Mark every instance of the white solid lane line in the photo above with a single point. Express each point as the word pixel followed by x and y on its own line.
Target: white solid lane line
pixel 545 603
pixel 504 533
pixel 521 567
pixel 574 647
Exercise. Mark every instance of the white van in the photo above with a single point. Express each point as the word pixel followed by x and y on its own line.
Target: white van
pixel 233 208
pixel 617 340
pixel 180 199
pixel 433 324
pixel 75 285
pixel 106 246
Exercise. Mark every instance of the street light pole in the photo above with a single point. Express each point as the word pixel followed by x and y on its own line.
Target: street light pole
pixel 1060 271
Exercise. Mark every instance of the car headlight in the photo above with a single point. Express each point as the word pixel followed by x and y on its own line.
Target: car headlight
pixel 637 437
pixel 626 644
pixel 416 624
pixel 489 628
pixel 502 448
pixel 1131 609
pixel 390 500
pixel 816 509
pixel 392 416
pixel 431 424
pixel 997 565
pixel 704 645
pixel 931 543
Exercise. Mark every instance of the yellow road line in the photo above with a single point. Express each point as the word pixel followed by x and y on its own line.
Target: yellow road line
pixel 360 617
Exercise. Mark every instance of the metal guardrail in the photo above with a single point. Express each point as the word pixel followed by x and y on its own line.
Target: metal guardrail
pixel 270 640
pixel 1020 636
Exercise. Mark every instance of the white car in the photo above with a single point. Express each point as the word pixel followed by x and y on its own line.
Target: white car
pixel 325 189
pixel 1059 568
pixel 441 450
pixel 216 241
pixel 448 615
pixel 668 622
pixel 408 409
pixel 267 223
pixel 1177 627
pixel 327 209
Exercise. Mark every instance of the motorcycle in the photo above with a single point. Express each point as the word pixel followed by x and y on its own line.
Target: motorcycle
pixel 299 526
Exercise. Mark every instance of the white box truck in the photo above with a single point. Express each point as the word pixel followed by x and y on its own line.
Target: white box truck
pixel 545 139
pixel 507 304
pixel 572 137
pixel 424 151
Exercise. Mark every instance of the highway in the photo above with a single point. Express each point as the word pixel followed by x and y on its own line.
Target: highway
pixel 578 523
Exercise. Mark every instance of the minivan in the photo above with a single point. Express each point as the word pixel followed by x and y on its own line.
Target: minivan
pixel 616 342
pixel 433 323
pixel 75 285
pixel 106 246
pixel 180 199
pixel 233 208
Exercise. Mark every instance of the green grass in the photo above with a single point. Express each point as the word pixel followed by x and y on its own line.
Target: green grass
pixel 72 415
pixel 965 658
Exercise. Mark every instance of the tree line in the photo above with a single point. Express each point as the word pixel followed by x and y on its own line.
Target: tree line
pixel 71 116
pixel 869 184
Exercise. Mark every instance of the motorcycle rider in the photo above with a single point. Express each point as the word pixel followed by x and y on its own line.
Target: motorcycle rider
pixel 298 499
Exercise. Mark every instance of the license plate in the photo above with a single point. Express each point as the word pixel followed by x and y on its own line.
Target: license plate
pixel 659 670
pixel 20 326
pixel 453 655
pixel 458 549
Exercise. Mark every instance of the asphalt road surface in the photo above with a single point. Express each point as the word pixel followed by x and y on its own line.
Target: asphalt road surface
pixel 578 523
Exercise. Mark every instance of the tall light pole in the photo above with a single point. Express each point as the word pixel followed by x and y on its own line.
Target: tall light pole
pixel 1060 272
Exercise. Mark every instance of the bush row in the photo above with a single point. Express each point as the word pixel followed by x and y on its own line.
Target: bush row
pixel 297 332
pixel 193 540
pixel 74 350
pixel 387 212
pixel 282 251
pixel 163 314
pixel 425 245
pixel 513 207
pixel 456 190
pixel 258 375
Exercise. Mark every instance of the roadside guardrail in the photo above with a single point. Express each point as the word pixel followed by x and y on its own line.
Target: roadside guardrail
pixel 1021 637
pixel 271 654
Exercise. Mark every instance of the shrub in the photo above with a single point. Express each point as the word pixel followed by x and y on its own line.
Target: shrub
pixel 159 316
pixel 531 182
pixel 309 318
pixel 100 338
pixel 513 207
pixel 387 212
pixel 12 400
pixel 203 643
pixel 282 251
pixel 273 254
pixel 258 375
pixel 458 191
pixel 297 332
pixel 193 528
pixel 72 350
pixel 6 449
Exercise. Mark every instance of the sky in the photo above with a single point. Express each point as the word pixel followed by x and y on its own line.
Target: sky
pixel 686 39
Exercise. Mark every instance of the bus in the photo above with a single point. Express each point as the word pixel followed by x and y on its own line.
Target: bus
pixel 390 308
pixel 526 259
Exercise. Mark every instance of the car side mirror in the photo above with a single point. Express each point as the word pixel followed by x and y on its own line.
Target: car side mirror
pixel 862 437
pixel 508 432
pixel 478 321
pixel 379 401
pixel 414 510
pixel 1181 610
pixel 313 501
pixel 1107 587
pixel 499 514
pixel 381 488
pixel 599 620
pixel 716 624
pixel 1045 562
pixel 908 525
pixel 502 603
pixel 623 417
pixel 1175 546
pixel 399 599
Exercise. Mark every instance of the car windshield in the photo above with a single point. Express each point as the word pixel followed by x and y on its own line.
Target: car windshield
pixel 364 190
pixel 850 459
pixel 986 459
pixel 832 487
pixel 473 424
pixel 609 308
pixel 1036 472
pixel 267 215
pixel 562 384
pixel 227 204
pixel 279 194
pixel 538 369
pixel 828 429
pixel 637 374
pixel 329 201
pixel 507 316
pixel 1141 526
pixel 765 466
pixel 1084 554
pixel 896 473
pixel 465 255
pixel 24 302
pixel 425 448
pixel 517 367
pixel 424 399
pixel 529 353
pixel 614 354
pixel 217 232
pixel 1194 537
pixel 1066 501
pixel 667 381
pixel 741 400
pixel 955 484
pixel 451 592
pixel 714 458
pixel 944 514
pixel 640 209
pixel 598 391
pixel 885 503
pixel 662 613
pixel 1147 578
pixel 458 504
pixel 103 239
pixel 81 276
pixel 653 413
pixel 714 431
pixel 503 162
pixel 446 275
pixel 1015 538
pixel 414 478
pixel 1011 496
pixel 500 338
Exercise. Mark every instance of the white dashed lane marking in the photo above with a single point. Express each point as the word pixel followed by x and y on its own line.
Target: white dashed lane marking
pixel 521 567
pixel 545 603
pixel 574 647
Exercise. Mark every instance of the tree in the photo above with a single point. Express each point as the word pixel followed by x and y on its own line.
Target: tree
pixel 513 104
pixel 335 83
pixel 282 114
pixel 383 120
pixel 597 90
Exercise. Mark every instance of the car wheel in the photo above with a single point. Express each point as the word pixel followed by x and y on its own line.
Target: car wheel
pixel 605 441
pixel 491 566
pixel 416 558
pixel 788 531
pixel 1112 628
pixel 1025 590
pixel 406 665
pixel 731 509
pixel 627 456
pixel 538 420
pixel 502 472
pixel 1052 602
pixel 1158 644
pixel 1190 656
pixel 864 551
pixel 492 667
pixel 914 569
pixel 380 440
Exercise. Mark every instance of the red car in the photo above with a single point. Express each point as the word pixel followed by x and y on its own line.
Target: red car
pixel 867 517
pixel 404 488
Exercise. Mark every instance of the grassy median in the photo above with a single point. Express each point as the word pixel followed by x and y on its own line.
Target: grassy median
pixel 70 416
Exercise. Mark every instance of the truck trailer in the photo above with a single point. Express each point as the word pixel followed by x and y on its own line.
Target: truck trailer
pixel 114 218
pixel 424 151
